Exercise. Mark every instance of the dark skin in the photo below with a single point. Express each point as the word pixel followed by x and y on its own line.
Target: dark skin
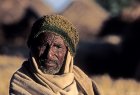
pixel 49 51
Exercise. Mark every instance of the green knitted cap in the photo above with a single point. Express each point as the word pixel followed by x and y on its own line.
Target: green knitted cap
pixel 59 25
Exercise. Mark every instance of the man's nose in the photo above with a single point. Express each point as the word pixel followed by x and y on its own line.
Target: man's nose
pixel 50 53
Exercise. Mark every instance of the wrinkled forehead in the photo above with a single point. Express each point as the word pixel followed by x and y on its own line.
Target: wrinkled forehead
pixel 49 36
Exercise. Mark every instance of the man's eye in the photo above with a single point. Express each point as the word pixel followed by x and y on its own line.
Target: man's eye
pixel 58 46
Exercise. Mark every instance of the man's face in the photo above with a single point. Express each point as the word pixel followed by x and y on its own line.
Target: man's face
pixel 49 51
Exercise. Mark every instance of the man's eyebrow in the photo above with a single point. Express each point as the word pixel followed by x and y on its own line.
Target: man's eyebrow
pixel 57 43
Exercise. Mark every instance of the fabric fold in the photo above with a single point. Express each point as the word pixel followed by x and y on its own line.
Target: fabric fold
pixel 29 79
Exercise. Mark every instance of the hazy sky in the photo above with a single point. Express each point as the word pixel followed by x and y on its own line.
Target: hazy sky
pixel 58 5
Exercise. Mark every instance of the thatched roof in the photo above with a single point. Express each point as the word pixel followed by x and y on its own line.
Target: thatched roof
pixel 40 7
pixel 87 16
pixel 12 11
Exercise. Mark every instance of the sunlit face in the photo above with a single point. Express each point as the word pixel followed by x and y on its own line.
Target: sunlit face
pixel 49 50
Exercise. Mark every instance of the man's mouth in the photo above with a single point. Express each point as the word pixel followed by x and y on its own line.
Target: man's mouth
pixel 49 63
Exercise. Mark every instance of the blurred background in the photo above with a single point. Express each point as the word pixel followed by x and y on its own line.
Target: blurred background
pixel 109 48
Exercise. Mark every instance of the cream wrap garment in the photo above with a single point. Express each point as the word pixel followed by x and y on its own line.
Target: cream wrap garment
pixel 30 80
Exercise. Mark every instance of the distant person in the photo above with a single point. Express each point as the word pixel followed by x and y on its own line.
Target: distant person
pixel 49 69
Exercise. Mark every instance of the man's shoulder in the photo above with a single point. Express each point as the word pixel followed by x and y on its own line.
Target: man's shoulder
pixel 87 83
pixel 20 70
pixel 77 71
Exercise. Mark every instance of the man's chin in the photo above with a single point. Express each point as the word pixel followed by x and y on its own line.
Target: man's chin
pixel 49 70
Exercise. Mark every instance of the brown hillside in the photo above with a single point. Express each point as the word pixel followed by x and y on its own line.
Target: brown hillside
pixel 131 13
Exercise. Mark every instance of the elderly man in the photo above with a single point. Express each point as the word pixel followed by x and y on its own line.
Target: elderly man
pixel 49 69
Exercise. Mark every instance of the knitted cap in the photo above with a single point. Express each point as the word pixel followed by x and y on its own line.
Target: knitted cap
pixel 59 25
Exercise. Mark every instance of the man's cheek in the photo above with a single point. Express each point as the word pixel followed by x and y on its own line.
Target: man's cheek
pixel 61 59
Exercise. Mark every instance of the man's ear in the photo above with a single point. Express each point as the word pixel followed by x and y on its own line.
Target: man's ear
pixel 66 55
pixel 64 63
